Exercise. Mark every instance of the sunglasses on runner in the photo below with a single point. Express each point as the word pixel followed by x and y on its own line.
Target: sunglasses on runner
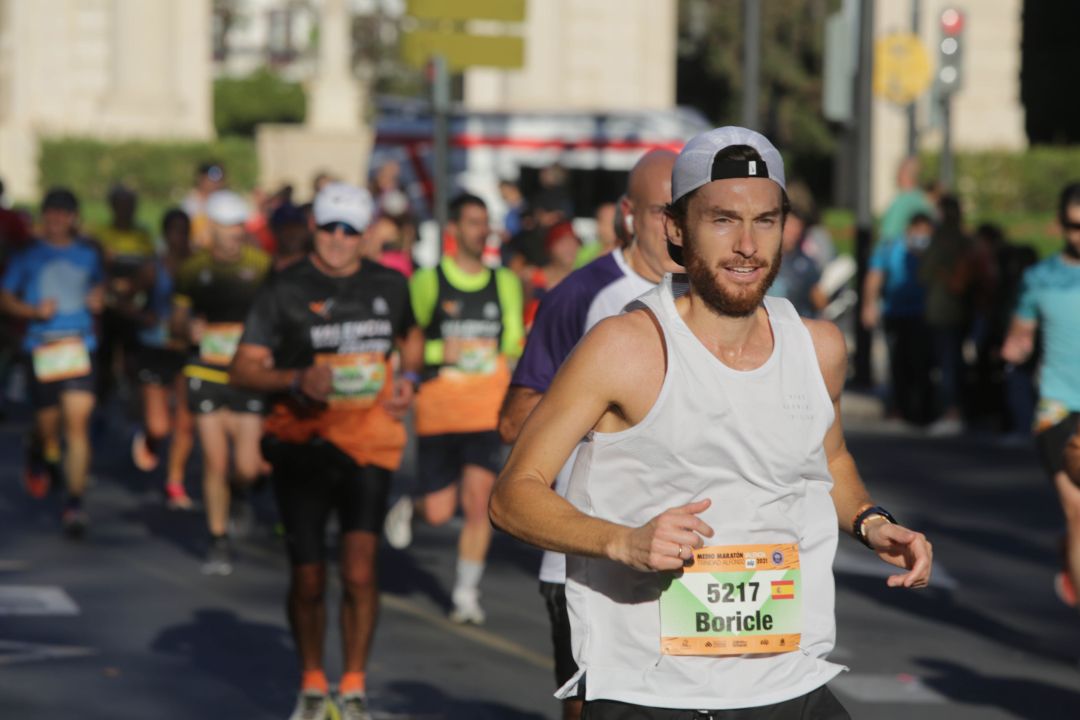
pixel 332 227
pixel 1071 226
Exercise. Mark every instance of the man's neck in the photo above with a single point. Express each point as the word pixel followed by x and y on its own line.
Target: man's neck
pixel 742 343
pixel 335 272
pixel 468 264
pixel 636 262
pixel 59 240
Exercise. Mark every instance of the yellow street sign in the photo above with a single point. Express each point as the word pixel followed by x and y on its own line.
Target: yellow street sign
pixel 902 70
pixel 463 51
pixel 505 10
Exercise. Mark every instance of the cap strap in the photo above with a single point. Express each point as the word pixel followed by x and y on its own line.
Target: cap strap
pixel 727 169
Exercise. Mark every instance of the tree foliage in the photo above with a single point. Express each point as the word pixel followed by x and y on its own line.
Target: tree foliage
pixel 710 67
pixel 242 103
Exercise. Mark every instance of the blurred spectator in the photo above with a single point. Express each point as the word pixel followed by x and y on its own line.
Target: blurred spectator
pixel 14 230
pixel 946 272
pixel 292 234
pixel 605 240
pixel 321 180
pixel 125 249
pixel 386 244
pixel 258 226
pixel 909 200
pixel 799 274
pixel 815 241
pixel 554 181
pixel 209 178
pixel 561 245
pixel 388 191
pixel 515 208
pixel 894 295
pixel 527 250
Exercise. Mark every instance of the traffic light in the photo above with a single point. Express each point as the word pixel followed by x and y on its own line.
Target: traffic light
pixel 950 51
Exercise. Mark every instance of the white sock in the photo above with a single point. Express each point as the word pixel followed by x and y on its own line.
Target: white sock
pixel 469 573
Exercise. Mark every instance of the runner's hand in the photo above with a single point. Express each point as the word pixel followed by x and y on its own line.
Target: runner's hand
pixel 398 403
pixel 95 300
pixel 196 328
pixel 904 548
pixel 46 309
pixel 666 542
pixel 316 382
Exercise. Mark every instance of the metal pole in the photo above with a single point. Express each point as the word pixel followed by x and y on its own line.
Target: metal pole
pixel 751 61
pixel 864 221
pixel 912 119
pixel 441 141
pixel 947 165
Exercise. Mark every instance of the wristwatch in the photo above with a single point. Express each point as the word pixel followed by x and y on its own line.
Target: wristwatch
pixel 865 514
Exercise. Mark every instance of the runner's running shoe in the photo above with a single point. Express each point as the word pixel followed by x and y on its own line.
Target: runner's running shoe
pixel 1064 588
pixel 75 522
pixel 218 558
pixel 176 497
pixel 467 608
pixel 354 706
pixel 398 525
pixel 314 705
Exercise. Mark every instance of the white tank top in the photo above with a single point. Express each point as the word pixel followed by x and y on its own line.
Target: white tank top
pixel 752 442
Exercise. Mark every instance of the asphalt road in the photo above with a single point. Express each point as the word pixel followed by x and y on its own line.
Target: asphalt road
pixel 123 625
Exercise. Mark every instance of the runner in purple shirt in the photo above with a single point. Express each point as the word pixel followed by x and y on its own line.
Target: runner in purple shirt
pixel 588 295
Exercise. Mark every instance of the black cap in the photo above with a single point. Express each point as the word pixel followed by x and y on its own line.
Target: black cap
pixel 60 198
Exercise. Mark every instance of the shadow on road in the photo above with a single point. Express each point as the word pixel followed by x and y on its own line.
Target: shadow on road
pixel 1023 697
pixel 429 702
pixel 255 658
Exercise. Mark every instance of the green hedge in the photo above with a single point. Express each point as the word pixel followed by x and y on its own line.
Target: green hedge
pixel 999 184
pixel 242 103
pixel 161 172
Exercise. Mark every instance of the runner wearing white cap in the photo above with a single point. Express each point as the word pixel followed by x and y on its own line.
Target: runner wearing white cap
pixel 214 291
pixel 702 511
pixel 318 340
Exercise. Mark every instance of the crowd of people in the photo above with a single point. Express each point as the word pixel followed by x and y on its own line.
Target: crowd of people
pixel 297 345
pixel 944 297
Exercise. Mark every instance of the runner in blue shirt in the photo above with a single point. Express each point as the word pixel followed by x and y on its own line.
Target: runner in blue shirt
pixel 56 285
pixel 1050 302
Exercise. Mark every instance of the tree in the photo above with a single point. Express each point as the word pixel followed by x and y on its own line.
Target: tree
pixel 709 75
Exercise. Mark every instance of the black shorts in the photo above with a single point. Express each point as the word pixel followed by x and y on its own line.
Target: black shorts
pixel 205 397
pixel 47 395
pixel 443 457
pixel 555 600
pixel 158 366
pixel 820 704
pixel 1051 443
pixel 314 478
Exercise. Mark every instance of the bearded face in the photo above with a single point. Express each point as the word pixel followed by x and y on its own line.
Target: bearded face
pixel 732 243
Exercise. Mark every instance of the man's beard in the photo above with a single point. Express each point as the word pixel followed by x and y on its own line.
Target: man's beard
pixel 741 303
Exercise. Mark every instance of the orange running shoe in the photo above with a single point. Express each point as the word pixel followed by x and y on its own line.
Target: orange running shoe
pixel 176 498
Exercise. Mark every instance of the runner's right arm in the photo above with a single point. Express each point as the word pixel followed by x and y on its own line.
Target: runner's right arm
pixel 518 404
pixel 587 389
pixel 14 280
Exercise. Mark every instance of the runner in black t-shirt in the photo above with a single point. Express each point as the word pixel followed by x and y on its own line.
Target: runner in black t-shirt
pixel 214 290
pixel 319 341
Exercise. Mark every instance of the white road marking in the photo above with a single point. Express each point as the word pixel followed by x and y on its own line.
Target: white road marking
pixel 36 600
pixel 14 653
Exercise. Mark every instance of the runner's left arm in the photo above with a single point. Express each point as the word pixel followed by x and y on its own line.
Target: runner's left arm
pixel 252 366
pixel 894 544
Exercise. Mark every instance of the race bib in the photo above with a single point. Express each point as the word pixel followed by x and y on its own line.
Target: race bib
pixel 61 360
pixel 219 342
pixel 734 600
pixel 357 378
pixel 472 356
pixel 1048 414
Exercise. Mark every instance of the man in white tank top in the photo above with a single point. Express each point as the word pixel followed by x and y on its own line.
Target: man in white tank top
pixel 702 514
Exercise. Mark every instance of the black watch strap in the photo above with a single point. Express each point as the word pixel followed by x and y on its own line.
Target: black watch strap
pixel 861 518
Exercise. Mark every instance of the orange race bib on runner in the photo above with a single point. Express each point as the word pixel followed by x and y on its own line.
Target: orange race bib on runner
pixel 63 359
pixel 472 356
pixel 357 378
pixel 219 342
pixel 734 600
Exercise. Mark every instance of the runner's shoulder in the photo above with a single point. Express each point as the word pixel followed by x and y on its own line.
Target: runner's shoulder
pixel 832 353
pixel 253 257
pixel 375 271
pixel 624 340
